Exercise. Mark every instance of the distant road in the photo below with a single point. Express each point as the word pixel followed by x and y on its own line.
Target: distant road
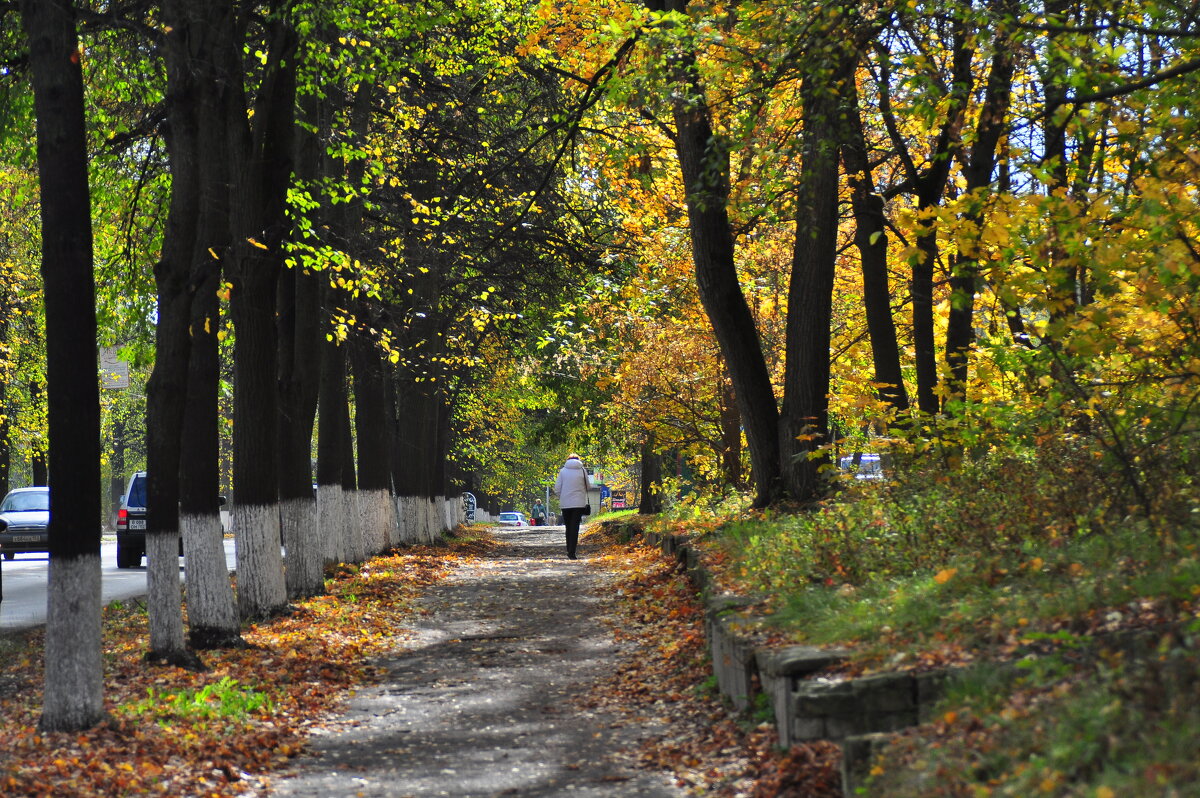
pixel 24 603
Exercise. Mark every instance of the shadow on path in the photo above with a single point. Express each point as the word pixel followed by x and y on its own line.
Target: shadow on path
pixel 480 701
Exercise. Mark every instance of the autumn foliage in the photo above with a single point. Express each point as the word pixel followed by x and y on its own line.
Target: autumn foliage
pixel 219 732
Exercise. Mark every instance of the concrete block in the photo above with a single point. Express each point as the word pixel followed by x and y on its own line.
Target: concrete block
pixel 733 660
pixel 858 756
pixel 886 692
pixel 825 699
pixel 806 730
pixel 796 662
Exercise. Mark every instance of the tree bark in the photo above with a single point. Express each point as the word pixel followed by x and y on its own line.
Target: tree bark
pixel 929 187
pixel 651 479
pixel 261 165
pixel 331 506
pixel 870 236
pixel 299 332
pixel 704 161
pixel 371 425
pixel 73 695
pixel 166 390
pixel 978 169
pixel 212 610
pixel 804 420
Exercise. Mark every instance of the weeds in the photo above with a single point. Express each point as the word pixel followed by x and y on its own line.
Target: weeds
pixel 222 700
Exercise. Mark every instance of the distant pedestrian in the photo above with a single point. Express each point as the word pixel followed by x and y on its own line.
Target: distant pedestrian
pixel 539 513
pixel 571 488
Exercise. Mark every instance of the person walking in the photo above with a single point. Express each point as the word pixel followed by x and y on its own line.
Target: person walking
pixel 539 513
pixel 571 488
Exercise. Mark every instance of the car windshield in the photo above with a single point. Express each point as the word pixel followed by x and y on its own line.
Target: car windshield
pixel 26 502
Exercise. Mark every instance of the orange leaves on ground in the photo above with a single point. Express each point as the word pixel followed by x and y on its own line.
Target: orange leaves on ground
pixel 174 732
pixel 945 575
pixel 663 679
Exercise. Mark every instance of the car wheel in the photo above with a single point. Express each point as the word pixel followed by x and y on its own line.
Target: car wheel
pixel 128 557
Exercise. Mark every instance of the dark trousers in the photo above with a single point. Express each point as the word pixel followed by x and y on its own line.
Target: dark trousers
pixel 571 517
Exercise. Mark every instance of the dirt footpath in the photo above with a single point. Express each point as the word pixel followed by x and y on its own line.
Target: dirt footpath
pixel 479 700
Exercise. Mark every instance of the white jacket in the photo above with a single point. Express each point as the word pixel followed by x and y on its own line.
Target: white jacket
pixel 572 485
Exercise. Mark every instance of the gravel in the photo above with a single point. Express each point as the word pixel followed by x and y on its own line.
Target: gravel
pixel 478 699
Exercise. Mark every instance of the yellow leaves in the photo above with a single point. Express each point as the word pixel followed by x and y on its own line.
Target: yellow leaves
pixel 255 243
pixel 1105 792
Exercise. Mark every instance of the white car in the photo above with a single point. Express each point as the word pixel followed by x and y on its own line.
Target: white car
pixel 25 521
pixel 512 519
pixel 869 466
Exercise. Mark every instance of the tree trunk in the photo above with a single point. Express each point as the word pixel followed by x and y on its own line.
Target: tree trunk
pixel 331 504
pixel 299 378
pixel 870 236
pixel 299 332
pixel 804 421
pixel 261 165
pixel 262 590
pixel 929 187
pixel 212 610
pixel 356 550
pixel 704 161
pixel 651 478
pixel 73 694
pixel 166 390
pixel 371 425
pixel 960 330
pixel 731 437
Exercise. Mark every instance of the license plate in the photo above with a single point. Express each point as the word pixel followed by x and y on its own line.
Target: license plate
pixel 137 523
pixel 27 538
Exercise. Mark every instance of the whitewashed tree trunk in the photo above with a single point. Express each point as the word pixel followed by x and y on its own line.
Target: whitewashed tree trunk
pixel 164 590
pixel 73 644
pixel 356 546
pixel 433 520
pixel 305 561
pixel 331 522
pixel 262 591
pixel 212 611
pixel 387 509
pixel 401 521
pixel 375 520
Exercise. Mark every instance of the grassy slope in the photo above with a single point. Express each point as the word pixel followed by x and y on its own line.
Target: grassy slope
pixel 998 562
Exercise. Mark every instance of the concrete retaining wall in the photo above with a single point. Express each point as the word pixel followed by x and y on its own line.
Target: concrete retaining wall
pixel 858 713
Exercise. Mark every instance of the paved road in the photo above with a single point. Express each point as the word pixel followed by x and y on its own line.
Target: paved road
pixel 24 603
pixel 480 700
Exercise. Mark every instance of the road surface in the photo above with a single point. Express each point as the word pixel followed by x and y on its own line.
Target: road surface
pixel 24 603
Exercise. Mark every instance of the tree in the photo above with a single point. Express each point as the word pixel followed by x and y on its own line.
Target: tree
pixel 194 41
pixel 73 686
pixel 260 151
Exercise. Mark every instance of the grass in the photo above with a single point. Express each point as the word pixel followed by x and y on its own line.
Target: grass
pixel 1001 560
pixel 1104 728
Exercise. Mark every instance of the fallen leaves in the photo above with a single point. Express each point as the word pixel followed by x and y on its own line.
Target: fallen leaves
pixel 664 680
pixel 218 733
